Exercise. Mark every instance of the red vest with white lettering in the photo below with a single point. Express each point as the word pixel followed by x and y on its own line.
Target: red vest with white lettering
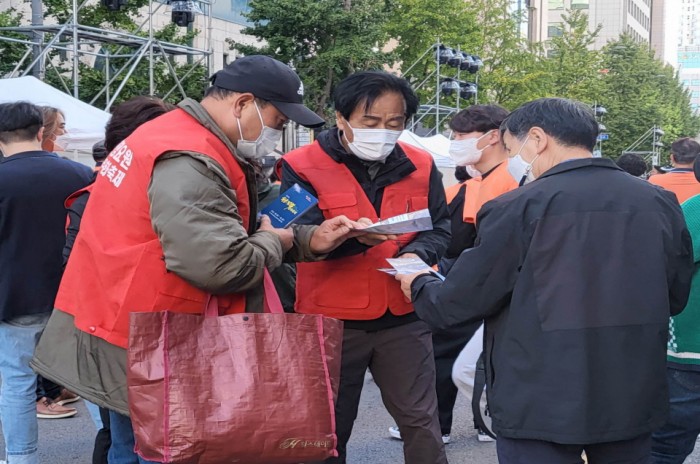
pixel 117 265
pixel 352 288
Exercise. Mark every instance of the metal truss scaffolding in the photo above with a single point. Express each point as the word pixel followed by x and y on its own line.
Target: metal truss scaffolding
pixel 85 44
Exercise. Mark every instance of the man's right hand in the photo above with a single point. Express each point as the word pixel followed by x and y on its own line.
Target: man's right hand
pixel 370 239
pixel 286 235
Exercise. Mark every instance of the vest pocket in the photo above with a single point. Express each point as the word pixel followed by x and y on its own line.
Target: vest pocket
pixel 337 204
pixel 418 203
pixel 339 286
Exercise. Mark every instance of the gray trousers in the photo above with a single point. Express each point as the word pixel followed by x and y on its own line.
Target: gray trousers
pixel 402 364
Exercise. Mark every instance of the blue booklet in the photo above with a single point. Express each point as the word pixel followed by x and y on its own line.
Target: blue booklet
pixel 289 207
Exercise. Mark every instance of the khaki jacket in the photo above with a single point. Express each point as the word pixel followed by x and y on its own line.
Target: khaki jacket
pixel 195 242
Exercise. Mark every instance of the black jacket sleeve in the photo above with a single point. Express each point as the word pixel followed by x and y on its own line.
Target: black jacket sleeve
pixel 315 216
pixel 75 215
pixel 431 245
pixel 481 282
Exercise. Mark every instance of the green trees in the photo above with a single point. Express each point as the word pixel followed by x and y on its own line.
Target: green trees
pixel 324 40
pixel 639 92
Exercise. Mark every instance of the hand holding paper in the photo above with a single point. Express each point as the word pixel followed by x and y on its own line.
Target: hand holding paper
pixel 368 238
pixel 406 270
pixel 331 234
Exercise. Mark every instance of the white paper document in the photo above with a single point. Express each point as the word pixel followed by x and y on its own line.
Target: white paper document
pixel 404 266
pixel 417 221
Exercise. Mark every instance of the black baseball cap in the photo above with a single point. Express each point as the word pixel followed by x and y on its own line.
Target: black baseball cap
pixel 269 80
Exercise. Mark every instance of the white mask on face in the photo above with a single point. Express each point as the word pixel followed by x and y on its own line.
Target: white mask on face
pixel 472 171
pixel 520 169
pixel 465 152
pixel 262 146
pixel 372 144
pixel 61 143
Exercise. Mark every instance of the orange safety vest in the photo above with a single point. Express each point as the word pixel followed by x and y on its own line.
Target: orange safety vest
pixel 117 264
pixel 451 192
pixel 480 191
pixel 352 288
pixel 683 184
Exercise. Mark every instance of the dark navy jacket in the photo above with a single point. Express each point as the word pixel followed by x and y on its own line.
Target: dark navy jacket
pixel 576 275
pixel 33 188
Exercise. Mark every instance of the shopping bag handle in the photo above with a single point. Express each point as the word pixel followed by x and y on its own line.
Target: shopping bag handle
pixel 272 302
pixel 211 308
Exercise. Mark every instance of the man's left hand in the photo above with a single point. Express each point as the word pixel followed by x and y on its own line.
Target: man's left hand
pixel 409 256
pixel 331 234
pixel 407 280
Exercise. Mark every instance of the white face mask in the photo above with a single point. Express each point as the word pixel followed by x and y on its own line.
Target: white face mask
pixel 372 144
pixel 520 169
pixel 262 146
pixel 61 143
pixel 465 152
pixel 472 171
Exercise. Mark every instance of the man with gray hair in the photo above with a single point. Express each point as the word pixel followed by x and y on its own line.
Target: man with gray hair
pixel 576 274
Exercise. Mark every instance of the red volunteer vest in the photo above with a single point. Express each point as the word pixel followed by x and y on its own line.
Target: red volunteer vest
pixel 480 191
pixel 117 264
pixel 352 288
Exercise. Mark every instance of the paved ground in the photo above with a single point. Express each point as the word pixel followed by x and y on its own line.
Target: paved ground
pixel 70 440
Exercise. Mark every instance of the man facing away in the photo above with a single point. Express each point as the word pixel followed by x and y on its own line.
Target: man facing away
pixel 680 180
pixel 33 186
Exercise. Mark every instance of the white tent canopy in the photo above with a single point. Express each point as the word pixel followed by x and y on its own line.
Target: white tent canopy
pixel 437 145
pixel 85 123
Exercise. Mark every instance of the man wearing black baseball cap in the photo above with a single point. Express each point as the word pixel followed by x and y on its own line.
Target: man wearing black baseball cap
pixel 174 208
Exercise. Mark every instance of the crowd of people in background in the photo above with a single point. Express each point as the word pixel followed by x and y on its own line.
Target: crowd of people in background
pixel 563 299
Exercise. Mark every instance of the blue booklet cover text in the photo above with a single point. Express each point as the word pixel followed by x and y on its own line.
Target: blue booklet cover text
pixel 289 207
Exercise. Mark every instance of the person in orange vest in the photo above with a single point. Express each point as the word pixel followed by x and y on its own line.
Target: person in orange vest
pixel 358 169
pixel 680 180
pixel 476 146
pixel 171 220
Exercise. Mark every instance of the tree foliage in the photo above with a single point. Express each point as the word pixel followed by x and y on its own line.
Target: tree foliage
pixel 640 92
pixel 11 53
pixel 324 40
pixel 93 73
pixel 514 70
pixel 573 66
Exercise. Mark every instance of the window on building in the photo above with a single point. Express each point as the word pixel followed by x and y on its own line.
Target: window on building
pixel 556 4
pixel 232 11
pixel 694 82
pixel 579 4
pixel 555 30
pixel 696 94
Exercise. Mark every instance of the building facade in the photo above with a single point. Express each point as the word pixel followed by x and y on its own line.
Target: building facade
pixel 655 22
pixel 689 50
pixel 227 22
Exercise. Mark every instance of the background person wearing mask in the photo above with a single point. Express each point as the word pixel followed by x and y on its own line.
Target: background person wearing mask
pixel 126 118
pixel 33 186
pixel 358 170
pixel 54 128
pixel 675 441
pixel 172 219
pixel 576 274
pixel 476 145
pixel 681 180
pixel 50 397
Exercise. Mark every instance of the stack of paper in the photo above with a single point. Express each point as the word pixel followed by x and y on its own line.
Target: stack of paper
pixel 405 266
pixel 417 221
